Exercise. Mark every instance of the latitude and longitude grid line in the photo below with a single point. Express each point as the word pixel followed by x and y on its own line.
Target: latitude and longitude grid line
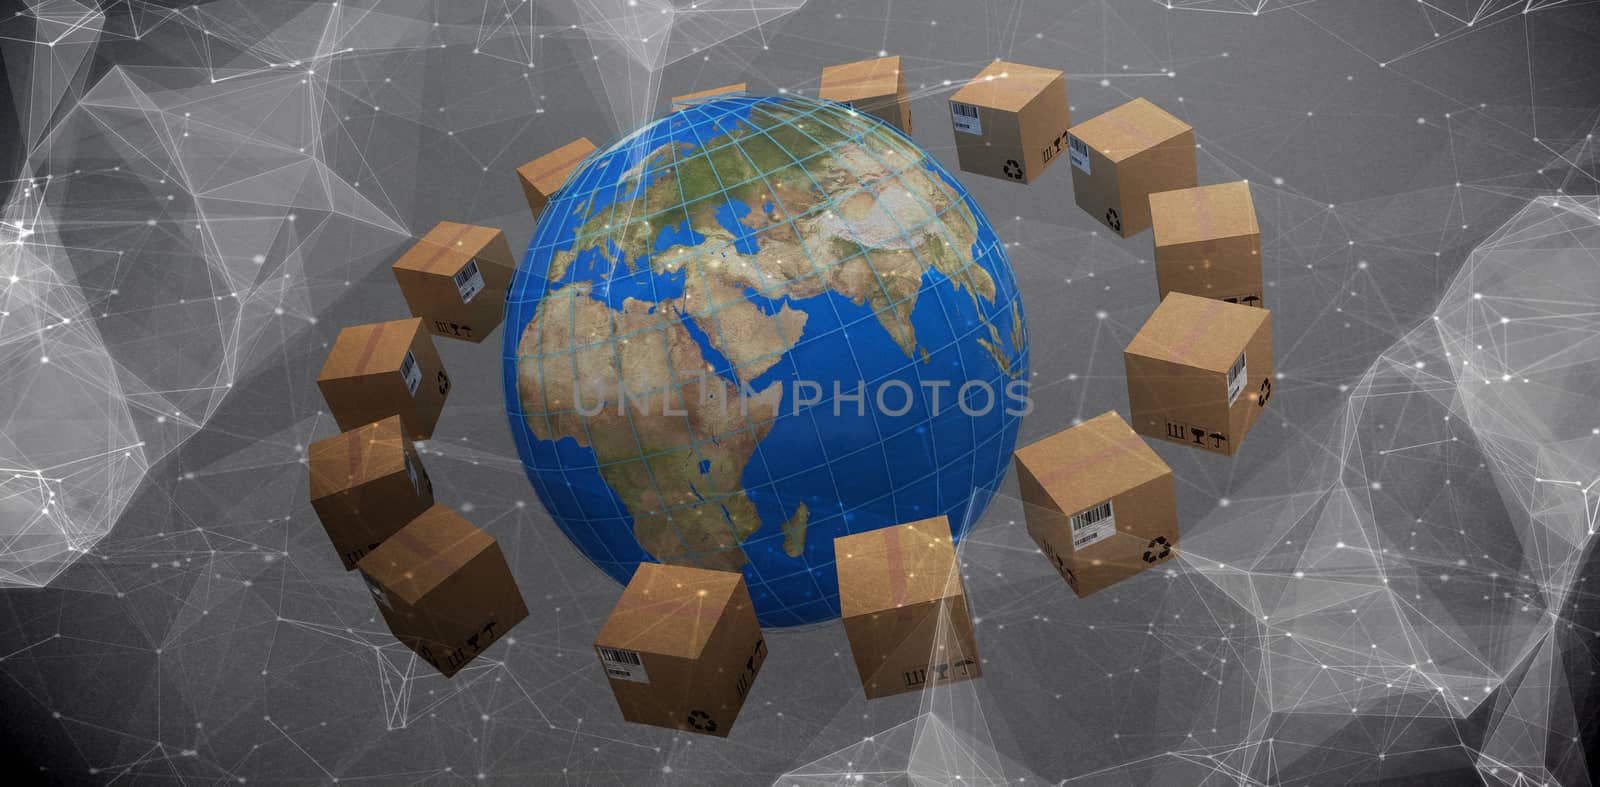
pixel 710 310
pixel 789 120
pixel 586 196
pixel 897 176
pixel 703 311
pixel 749 106
pixel 673 386
pixel 591 177
pixel 969 218
pixel 762 175
pixel 641 458
pixel 613 343
pixel 698 270
pixel 896 179
pixel 923 225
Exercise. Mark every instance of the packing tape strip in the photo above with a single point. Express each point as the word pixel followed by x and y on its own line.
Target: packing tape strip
pixel 737 87
pixel 1130 129
pixel 1007 85
pixel 1211 309
pixel 369 349
pixel 564 164
pixel 1118 448
pixel 1207 244
pixel 442 248
pixel 898 593
pixel 695 611
pixel 358 468
pixel 1202 213
pixel 420 548
pixel 877 71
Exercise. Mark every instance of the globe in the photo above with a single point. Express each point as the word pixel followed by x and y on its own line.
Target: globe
pixel 752 326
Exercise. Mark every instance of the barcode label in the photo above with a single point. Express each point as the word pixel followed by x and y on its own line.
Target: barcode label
pixel 409 370
pixel 621 656
pixel 1079 153
pixel 965 117
pixel 1093 526
pixel 623 664
pixel 469 281
pixel 1237 374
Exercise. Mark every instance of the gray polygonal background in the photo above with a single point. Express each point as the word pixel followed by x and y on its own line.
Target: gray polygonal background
pixel 1387 586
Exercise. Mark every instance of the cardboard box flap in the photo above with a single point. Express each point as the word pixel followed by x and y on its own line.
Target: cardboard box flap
pixel 348 460
pixel 548 172
pixel 739 87
pixel 670 610
pixel 1224 210
pixel 861 80
pixel 1199 332
pixel 370 348
pixel 1006 86
pixel 1090 463
pixel 896 566
pixel 425 553
pixel 449 246
pixel 1128 129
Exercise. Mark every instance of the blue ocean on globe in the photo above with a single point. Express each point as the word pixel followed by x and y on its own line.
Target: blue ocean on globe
pixel 752 326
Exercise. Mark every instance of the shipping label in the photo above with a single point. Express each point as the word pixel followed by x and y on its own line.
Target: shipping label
pixel 965 118
pixel 1079 152
pixel 623 664
pixel 1237 374
pixel 1093 526
pixel 469 281
pixel 412 373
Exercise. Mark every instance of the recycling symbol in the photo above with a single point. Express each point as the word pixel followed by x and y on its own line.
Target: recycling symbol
pixel 1266 392
pixel 1013 169
pixel 1113 220
pixel 1150 553
pixel 702 721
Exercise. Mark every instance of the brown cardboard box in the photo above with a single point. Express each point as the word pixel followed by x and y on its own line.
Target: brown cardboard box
pixel 1119 158
pixel 382 369
pixel 444 588
pixel 871 87
pixel 456 278
pixel 1208 243
pixel 1011 121
pixel 1098 502
pixel 904 608
pixel 682 648
pixel 1200 372
pixel 543 177
pixel 705 94
pixel 366 484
